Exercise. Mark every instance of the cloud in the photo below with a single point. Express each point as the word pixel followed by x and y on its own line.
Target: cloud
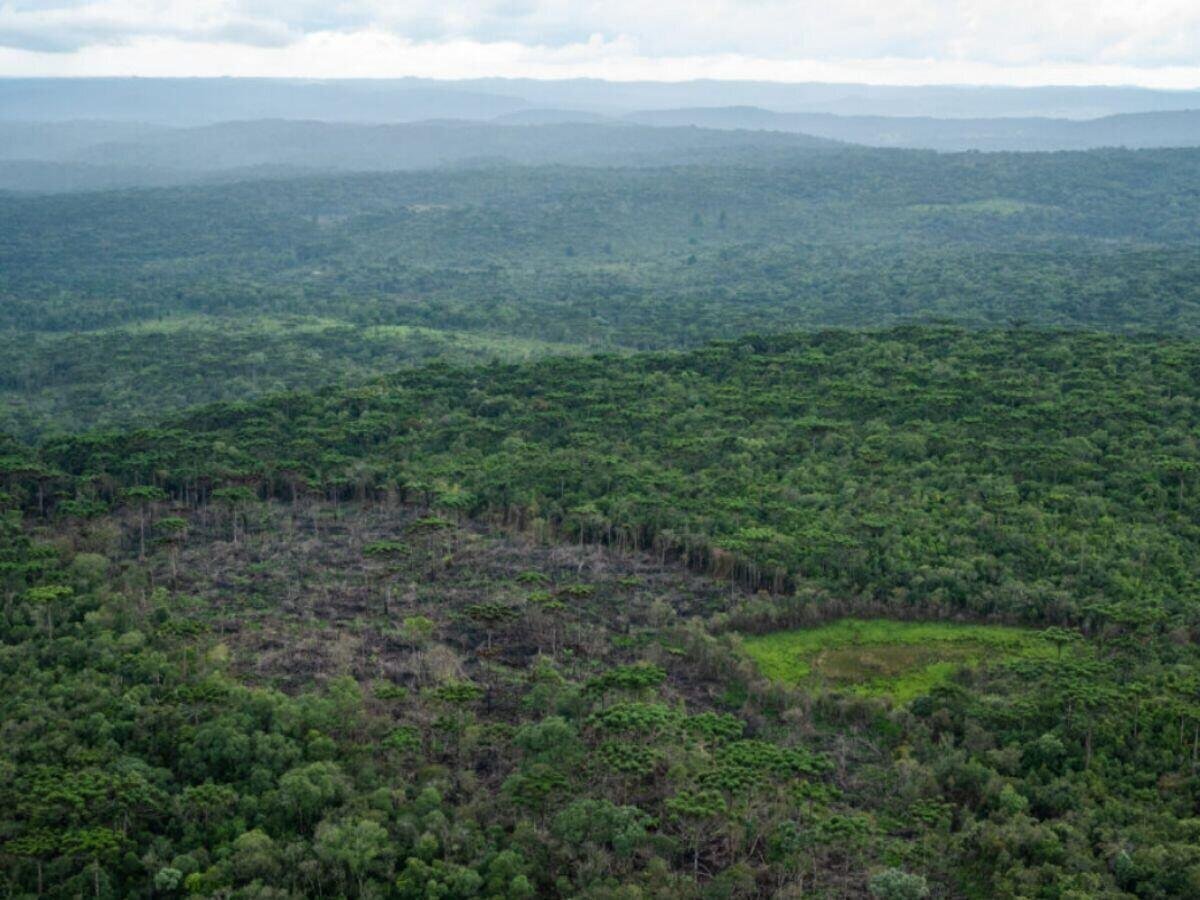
pixel 66 26
pixel 1148 40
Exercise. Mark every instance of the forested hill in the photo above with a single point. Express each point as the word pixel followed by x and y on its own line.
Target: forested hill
pixel 1031 476
pixel 47 156
pixel 724 515
pixel 516 630
pixel 229 151
pixel 1180 128
pixel 118 306
pixel 415 248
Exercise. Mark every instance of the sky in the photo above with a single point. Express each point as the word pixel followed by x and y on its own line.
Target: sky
pixel 1155 43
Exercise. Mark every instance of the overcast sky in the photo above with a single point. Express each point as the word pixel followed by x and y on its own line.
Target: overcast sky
pixel 1148 42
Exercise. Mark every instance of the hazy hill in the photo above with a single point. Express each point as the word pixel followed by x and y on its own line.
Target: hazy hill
pixel 208 100
pixel 1179 128
pixel 284 147
pixel 50 177
pixel 59 140
pixel 194 101
pixel 97 154
pixel 941 101
pixel 552 117
pixel 344 146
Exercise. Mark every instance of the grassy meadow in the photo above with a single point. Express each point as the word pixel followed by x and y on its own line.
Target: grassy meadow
pixel 877 657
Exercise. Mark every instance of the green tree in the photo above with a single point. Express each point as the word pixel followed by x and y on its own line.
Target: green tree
pixel 352 845
pixel 896 884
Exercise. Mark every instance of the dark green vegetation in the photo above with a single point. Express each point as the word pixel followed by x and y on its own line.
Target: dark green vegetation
pixel 1027 474
pixel 72 381
pixel 480 631
pixel 447 591
pixel 598 258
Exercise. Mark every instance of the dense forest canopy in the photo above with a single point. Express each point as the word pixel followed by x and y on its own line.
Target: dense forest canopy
pixel 595 509
pixel 1023 474
pixel 612 258
pixel 476 631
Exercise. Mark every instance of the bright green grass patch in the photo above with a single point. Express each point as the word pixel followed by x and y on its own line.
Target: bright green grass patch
pixel 876 657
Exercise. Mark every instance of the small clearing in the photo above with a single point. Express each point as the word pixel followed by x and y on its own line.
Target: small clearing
pixel 876 657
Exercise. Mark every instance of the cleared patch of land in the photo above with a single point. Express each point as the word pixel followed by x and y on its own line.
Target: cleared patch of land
pixel 877 657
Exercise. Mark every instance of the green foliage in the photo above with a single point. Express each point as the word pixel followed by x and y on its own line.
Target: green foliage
pixel 747 764
pixel 405 739
pixel 715 727
pixel 234 496
pixel 632 718
pixel 238 719
pixel 601 823
pixel 492 614
pixel 629 758
pixel 881 657
pixel 134 372
pixel 117 306
pixel 171 526
pixel 255 856
pixel 144 494
pixel 535 787
pixel 634 678
pixel 354 844
pixel 384 548
pixel 896 884
pixel 307 791
pixel 458 694
pixel 1008 472
pixel 694 805
pixel 421 880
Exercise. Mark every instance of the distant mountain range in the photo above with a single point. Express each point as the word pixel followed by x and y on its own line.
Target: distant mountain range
pixel 31 159
pixel 201 101
pixel 1176 128
pixel 951 101
pixel 196 101
pixel 107 133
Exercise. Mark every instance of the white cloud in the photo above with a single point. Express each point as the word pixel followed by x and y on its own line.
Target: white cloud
pixel 899 41
pixel 63 27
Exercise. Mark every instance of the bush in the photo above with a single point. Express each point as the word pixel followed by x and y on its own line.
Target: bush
pixel 896 884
